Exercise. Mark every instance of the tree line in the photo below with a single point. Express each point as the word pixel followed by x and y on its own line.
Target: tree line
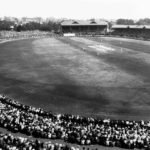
pixel 55 25
pixel 46 26
pixel 145 21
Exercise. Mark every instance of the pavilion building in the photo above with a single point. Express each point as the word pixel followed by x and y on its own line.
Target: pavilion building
pixel 82 27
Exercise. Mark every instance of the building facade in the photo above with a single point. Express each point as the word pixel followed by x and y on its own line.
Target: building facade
pixel 135 31
pixel 91 27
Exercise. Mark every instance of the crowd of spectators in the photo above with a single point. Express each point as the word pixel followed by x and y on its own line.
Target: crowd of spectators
pixel 132 33
pixel 9 142
pixel 76 129
pixel 129 33
pixel 8 35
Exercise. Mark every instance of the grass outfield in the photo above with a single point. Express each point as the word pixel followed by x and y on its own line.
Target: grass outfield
pixel 102 77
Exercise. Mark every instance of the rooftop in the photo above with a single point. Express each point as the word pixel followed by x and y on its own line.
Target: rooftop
pixel 83 22
pixel 131 26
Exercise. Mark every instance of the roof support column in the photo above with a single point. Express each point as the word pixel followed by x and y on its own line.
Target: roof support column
pixel 88 28
pixel 70 29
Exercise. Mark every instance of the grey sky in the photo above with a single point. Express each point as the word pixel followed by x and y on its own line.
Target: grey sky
pixel 76 9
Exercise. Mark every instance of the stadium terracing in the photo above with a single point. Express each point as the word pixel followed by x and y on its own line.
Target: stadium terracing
pixel 133 31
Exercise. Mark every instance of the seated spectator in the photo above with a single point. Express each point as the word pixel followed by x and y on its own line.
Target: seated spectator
pixel 28 120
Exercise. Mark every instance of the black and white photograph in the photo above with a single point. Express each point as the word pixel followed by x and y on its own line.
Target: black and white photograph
pixel 74 74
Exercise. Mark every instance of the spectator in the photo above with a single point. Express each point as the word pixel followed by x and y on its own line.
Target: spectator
pixel 17 117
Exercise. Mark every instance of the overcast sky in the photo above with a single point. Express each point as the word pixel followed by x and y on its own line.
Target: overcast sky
pixel 76 9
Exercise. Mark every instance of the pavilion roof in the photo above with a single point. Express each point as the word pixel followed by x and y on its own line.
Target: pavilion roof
pixel 83 22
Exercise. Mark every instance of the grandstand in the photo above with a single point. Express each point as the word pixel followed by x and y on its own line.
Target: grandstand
pixel 133 31
pixel 79 27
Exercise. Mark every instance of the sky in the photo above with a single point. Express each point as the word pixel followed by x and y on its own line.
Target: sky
pixel 76 9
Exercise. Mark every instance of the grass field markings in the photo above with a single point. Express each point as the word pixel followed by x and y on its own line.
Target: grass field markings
pixel 139 55
pixel 136 45
pixel 99 45
pixel 118 48
pixel 102 49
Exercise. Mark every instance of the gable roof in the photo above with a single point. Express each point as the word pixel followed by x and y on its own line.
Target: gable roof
pixel 92 22
pixel 75 22
pixel 82 22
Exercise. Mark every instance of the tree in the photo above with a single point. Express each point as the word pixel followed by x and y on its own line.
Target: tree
pixel 125 21
pixel 18 28
pixel 145 21
pixel 5 25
